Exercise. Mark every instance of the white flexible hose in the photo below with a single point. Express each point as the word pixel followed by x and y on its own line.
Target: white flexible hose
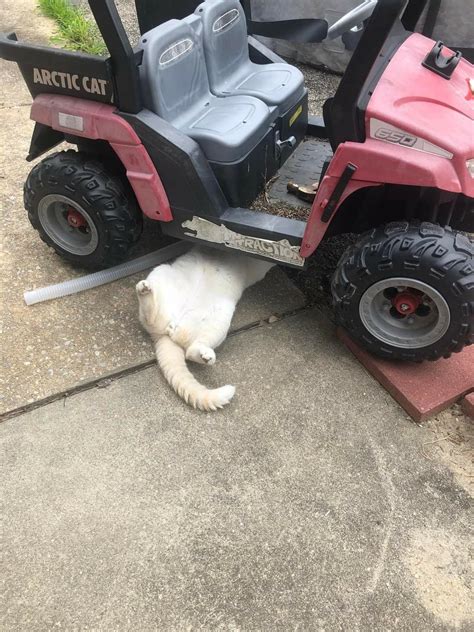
pixel 352 19
pixel 106 276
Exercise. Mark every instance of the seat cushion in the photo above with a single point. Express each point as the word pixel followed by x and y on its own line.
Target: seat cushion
pixel 227 129
pixel 275 84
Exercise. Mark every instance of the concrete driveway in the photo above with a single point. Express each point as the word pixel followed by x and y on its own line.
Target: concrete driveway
pixel 308 504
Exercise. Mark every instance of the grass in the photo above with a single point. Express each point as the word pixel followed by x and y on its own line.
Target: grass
pixel 76 30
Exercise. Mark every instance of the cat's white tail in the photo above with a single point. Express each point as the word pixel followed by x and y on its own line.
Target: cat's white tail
pixel 172 362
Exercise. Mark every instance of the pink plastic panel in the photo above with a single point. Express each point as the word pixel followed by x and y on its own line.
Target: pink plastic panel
pixel 315 228
pixel 90 119
pixel 428 106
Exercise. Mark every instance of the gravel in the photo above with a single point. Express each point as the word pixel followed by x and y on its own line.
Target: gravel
pixel 321 85
pixel 315 281
pixel 128 14
pixel 279 207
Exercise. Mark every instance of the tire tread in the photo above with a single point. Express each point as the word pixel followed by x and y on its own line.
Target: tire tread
pixel 424 251
pixel 86 179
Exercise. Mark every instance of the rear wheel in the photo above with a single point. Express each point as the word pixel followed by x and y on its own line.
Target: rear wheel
pixel 406 291
pixel 81 211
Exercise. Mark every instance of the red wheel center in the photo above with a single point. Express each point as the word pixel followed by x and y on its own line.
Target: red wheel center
pixel 407 302
pixel 75 219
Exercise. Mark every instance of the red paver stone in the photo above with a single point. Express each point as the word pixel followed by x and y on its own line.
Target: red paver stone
pixel 421 389
pixel 468 405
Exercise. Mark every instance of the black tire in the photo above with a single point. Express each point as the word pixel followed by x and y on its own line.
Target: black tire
pixel 437 257
pixel 110 209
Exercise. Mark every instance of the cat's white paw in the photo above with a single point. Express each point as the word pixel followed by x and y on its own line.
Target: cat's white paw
pixel 201 354
pixel 208 356
pixel 171 329
pixel 143 287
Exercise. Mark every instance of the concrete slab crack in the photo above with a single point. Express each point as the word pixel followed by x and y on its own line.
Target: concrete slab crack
pixel 389 488
pixel 105 380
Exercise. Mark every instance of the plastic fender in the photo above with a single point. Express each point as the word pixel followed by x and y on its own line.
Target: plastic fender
pixel 380 163
pixel 90 119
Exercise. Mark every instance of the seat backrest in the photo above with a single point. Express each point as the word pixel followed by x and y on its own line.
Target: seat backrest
pixel 225 40
pixel 173 70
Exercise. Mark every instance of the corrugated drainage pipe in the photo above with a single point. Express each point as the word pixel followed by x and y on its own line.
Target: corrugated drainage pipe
pixel 106 276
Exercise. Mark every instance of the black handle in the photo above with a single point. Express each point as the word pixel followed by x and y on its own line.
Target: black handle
pixel 123 59
pixel 438 63
pixel 8 45
pixel 301 31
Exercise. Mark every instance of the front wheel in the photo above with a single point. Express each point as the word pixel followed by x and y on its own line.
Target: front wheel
pixel 406 291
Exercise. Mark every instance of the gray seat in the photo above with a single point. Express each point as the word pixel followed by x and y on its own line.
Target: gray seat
pixel 228 64
pixel 175 86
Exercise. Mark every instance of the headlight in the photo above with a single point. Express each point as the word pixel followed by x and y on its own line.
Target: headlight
pixel 470 167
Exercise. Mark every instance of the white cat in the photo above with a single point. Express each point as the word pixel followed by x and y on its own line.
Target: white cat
pixel 187 307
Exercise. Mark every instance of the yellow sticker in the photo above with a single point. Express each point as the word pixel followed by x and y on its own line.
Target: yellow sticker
pixel 295 115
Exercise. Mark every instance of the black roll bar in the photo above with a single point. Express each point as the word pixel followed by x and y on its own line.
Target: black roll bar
pixel 344 113
pixel 414 11
pixel 123 59
pixel 151 13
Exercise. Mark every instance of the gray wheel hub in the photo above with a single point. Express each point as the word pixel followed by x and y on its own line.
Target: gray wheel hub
pixel 68 224
pixel 404 313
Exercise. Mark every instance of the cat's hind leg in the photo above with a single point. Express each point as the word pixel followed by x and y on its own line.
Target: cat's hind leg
pixel 171 329
pixel 212 333
pixel 143 287
pixel 146 303
pixel 201 353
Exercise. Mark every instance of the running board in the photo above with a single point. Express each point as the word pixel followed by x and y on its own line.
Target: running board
pixel 258 234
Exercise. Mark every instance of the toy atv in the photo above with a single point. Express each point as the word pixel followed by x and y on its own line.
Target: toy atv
pixel 190 126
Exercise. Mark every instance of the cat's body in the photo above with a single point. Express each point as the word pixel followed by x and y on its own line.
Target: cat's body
pixel 187 308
